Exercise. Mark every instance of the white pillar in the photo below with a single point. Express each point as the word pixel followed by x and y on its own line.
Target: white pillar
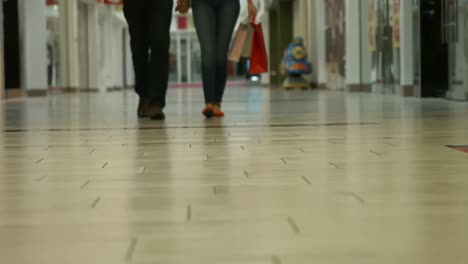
pixel 68 12
pixel 33 27
pixel 353 44
pixel 366 54
pixel 406 49
pixel 321 26
pixel 459 86
pixel 93 47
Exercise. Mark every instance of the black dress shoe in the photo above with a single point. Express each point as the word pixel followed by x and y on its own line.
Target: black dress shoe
pixel 143 108
pixel 155 112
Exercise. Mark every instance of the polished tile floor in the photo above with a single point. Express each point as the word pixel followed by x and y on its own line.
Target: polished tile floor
pixel 294 177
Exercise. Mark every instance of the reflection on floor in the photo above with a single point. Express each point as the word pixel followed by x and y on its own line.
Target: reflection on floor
pixel 294 177
pixel 460 148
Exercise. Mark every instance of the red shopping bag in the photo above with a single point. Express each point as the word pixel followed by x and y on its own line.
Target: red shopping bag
pixel 258 57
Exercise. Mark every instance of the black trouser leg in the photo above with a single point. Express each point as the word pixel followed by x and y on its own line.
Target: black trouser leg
pixel 149 24
pixel 159 17
pixel 139 43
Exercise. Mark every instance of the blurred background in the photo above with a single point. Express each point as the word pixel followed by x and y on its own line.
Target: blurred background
pixel 408 48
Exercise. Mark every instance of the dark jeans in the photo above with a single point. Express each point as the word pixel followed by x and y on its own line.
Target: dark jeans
pixel 215 21
pixel 149 22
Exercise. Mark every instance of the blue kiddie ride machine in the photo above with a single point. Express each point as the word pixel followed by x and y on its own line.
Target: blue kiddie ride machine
pixel 295 65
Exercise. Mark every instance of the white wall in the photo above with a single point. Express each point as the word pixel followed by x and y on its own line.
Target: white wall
pixel 118 26
pixel 406 51
pixel 33 41
pixel 129 63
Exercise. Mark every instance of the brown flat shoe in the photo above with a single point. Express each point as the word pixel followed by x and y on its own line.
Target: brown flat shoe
pixel 155 112
pixel 143 106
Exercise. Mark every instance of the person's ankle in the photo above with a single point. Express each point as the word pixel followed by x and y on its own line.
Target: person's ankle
pixel 217 107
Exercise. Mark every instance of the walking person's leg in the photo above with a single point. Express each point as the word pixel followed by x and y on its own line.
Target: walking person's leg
pixel 204 13
pixel 160 16
pixel 139 44
pixel 226 18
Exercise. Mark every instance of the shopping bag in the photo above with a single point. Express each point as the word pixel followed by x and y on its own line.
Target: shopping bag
pixel 258 57
pixel 238 47
pixel 247 51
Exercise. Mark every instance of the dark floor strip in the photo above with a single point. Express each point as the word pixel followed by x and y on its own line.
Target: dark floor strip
pixel 359 198
pixel 306 180
pixel 186 127
pixel 294 226
pixel 85 184
pixel 275 260
pixel 39 161
pixel 334 165
pixel 41 178
pixel 189 213
pixel 131 249
pixel 95 203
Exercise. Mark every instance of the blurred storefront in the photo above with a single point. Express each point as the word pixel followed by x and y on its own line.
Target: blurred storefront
pixel 408 48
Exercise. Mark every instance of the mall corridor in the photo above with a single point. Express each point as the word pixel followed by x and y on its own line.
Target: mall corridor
pixel 345 139
pixel 293 177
